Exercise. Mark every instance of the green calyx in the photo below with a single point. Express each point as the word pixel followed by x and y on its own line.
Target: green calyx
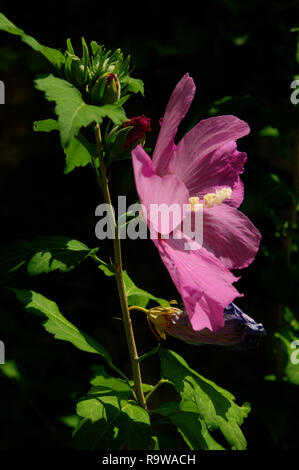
pixel 106 89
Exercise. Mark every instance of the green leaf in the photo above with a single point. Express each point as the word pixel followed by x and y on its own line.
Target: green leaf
pixel 105 383
pixel 46 125
pixel 269 131
pixel 133 84
pixel 11 370
pixel 73 113
pixel 60 253
pixel 57 324
pixel 54 56
pixel 216 406
pixel 110 419
pixel 106 268
pixel 78 153
pixel 71 421
pixel 289 338
pixel 43 255
pixel 8 26
pixel 138 296
pixel 190 425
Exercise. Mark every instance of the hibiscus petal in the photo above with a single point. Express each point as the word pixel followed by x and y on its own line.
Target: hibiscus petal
pixel 204 284
pixel 203 140
pixel 176 109
pixel 237 195
pixel 154 191
pixel 216 170
pixel 230 235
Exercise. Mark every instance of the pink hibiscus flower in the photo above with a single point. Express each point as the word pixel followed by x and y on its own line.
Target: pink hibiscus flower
pixel 204 168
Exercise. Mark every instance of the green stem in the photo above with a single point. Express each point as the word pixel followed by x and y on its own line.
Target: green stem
pixel 118 271
pixel 149 354
pixel 158 384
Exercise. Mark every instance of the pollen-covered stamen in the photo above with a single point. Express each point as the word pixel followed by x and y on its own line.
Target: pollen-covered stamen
pixel 218 197
pixel 194 203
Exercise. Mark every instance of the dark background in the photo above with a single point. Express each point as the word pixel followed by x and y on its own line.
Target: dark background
pixel 238 49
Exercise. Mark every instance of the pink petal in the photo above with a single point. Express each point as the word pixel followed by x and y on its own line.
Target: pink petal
pixel 156 190
pixel 216 170
pixel 237 195
pixel 208 147
pixel 176 109
pixel 204 284
pixel 230 235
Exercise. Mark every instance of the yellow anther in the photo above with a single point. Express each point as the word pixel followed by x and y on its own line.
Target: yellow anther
pixel 211 199
pixel 194 201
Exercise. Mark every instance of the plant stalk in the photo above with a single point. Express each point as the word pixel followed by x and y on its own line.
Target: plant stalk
pixel 119 278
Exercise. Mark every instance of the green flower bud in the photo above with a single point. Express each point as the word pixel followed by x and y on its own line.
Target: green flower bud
pixel 74 69
pixel 124 138
pixel 78 71
pixel 106 89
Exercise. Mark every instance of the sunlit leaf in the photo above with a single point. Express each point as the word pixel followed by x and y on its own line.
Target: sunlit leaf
pixel 57 324
pixel 73 113
pixel 54 56
pixel 289 337
pixel 110 419
pixel 8 26
pixel 43 255
pixel 190 424
pixel 215 406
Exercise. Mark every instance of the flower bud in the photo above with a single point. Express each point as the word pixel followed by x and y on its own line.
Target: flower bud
pixel 78 71
pixel 140 126
pixel 106 89
pixel 74 69
pixel 122 139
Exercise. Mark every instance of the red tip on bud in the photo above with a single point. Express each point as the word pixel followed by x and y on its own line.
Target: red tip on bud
pixel 141 125
pixel 111 77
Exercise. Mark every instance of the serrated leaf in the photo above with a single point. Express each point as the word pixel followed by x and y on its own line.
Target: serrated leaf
pixel 54 56
pixel 43 255
pixel 190 425
pixel 73 113
pixel 110 419
pixel 138 296
pixel 216 406
pixel 57 324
